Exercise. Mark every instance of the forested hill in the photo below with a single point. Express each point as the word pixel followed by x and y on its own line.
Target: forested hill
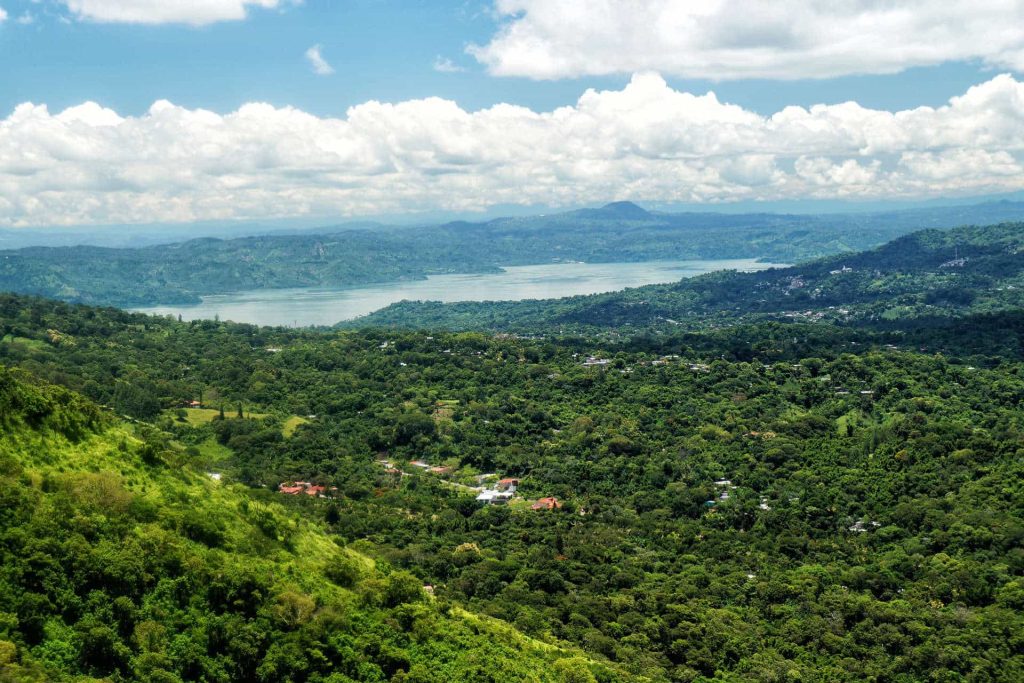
pixel 121 562
pixel 788 503
pixel 927 274
pixel 181 272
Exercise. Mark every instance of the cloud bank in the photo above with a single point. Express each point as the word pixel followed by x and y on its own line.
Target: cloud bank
pixel 732 39
pixel 192 12
pixel 646 142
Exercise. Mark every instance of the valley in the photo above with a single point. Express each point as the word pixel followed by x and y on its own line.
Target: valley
pixel 511 341
pixel 762 498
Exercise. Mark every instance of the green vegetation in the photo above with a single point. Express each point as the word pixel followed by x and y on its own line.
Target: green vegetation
pixel 751 497
pixel 871 527
pixel 180 273
pixel 291 424
pixel 198 416
pixel 916 279
pixel 121 562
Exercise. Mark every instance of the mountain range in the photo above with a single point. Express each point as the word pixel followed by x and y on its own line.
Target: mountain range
pixel 348 255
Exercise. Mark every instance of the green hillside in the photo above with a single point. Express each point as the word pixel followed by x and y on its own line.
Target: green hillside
pixel 767 502
pixel 121 562
pixel 183 271
pixel 927 274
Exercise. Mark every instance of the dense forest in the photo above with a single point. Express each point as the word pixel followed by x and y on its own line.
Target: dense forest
pixel 774 500
pixel 122 562
pixel 353 255
pixel 929 274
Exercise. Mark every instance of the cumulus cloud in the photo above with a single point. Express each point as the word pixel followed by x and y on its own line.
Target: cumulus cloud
pixel 317 62
pixel 731 39
pixel 645 142
pixel 3 15
pixel 193 12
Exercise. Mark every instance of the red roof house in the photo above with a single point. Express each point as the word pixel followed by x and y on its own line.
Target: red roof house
pixel 547 504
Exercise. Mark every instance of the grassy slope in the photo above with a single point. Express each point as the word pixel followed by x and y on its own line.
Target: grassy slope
pixel 72 472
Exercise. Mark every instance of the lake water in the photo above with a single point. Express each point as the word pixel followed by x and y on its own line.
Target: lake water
pixel 310 306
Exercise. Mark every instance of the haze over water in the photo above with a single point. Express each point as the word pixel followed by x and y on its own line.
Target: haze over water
pixel 314 306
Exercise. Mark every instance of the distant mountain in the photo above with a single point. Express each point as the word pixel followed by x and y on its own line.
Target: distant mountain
pixel 357 254
pixel 127 236
pixel 627 211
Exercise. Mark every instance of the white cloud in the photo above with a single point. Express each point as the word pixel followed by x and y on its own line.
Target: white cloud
pixel 317 62
pixel 192 12
pixel 646 142
pixel 446 66
pixel 3 15
pixel 731 39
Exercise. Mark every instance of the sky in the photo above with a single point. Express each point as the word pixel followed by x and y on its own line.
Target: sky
pixel 156 111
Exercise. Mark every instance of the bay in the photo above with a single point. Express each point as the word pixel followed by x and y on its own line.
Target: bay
pixel 318 306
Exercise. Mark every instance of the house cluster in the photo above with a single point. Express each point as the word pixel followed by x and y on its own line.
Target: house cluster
pixel 389 468
pixel 865 393
pixel 433 469
pixel 502 492
pixel 804 315
pixel 724 487
pixel 296 488
pixel 796 283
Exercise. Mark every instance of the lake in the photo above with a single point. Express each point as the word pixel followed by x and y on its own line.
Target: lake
pixel 314 306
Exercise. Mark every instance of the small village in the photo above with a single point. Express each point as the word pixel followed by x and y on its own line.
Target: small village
pixel 489 488
pixel 492 490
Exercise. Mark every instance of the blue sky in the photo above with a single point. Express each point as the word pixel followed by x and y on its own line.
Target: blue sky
pixel 380 49
pixel 125 55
